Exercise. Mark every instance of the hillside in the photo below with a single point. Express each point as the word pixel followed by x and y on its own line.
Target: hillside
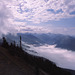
pixel 10 65
pixel 21 63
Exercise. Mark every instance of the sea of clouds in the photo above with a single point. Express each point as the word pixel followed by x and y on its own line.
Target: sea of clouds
pixel 61 57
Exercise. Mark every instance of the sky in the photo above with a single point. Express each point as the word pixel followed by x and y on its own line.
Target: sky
pixel 37 16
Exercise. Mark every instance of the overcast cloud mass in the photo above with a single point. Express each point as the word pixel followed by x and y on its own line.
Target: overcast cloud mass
pixel 26 15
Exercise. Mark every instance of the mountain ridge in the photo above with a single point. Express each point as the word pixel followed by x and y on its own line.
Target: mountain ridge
pixel 61 41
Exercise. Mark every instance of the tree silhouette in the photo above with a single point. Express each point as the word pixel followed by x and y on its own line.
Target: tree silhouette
pixel 5 43
pixel 14 44
pixel 20 43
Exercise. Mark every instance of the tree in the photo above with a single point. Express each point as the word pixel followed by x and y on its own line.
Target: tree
pixel 20 43
pixel 5 43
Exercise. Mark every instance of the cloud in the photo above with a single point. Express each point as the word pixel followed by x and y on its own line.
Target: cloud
pixel 61 30
pixel 24 27
pixel 32 29
pixel 47 29
pixel 62 57
pixel 37 10
pixel 6 18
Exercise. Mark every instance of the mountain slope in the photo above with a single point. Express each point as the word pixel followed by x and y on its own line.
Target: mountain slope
pixel 27 64
pixel 10 65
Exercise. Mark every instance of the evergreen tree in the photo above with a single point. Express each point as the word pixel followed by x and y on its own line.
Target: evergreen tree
pixel 5 43
pixel 20 43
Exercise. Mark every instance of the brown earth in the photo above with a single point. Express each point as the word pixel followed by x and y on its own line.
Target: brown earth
pixel 13 65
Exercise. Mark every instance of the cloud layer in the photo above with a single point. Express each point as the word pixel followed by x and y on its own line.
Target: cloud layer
pixel 62 57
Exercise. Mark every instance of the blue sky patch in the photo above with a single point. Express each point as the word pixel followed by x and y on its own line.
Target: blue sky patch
pixel 72 13
pixel 55 12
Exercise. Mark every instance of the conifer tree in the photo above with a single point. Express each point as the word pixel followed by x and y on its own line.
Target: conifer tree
pixel 5 43
pixel 20 42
